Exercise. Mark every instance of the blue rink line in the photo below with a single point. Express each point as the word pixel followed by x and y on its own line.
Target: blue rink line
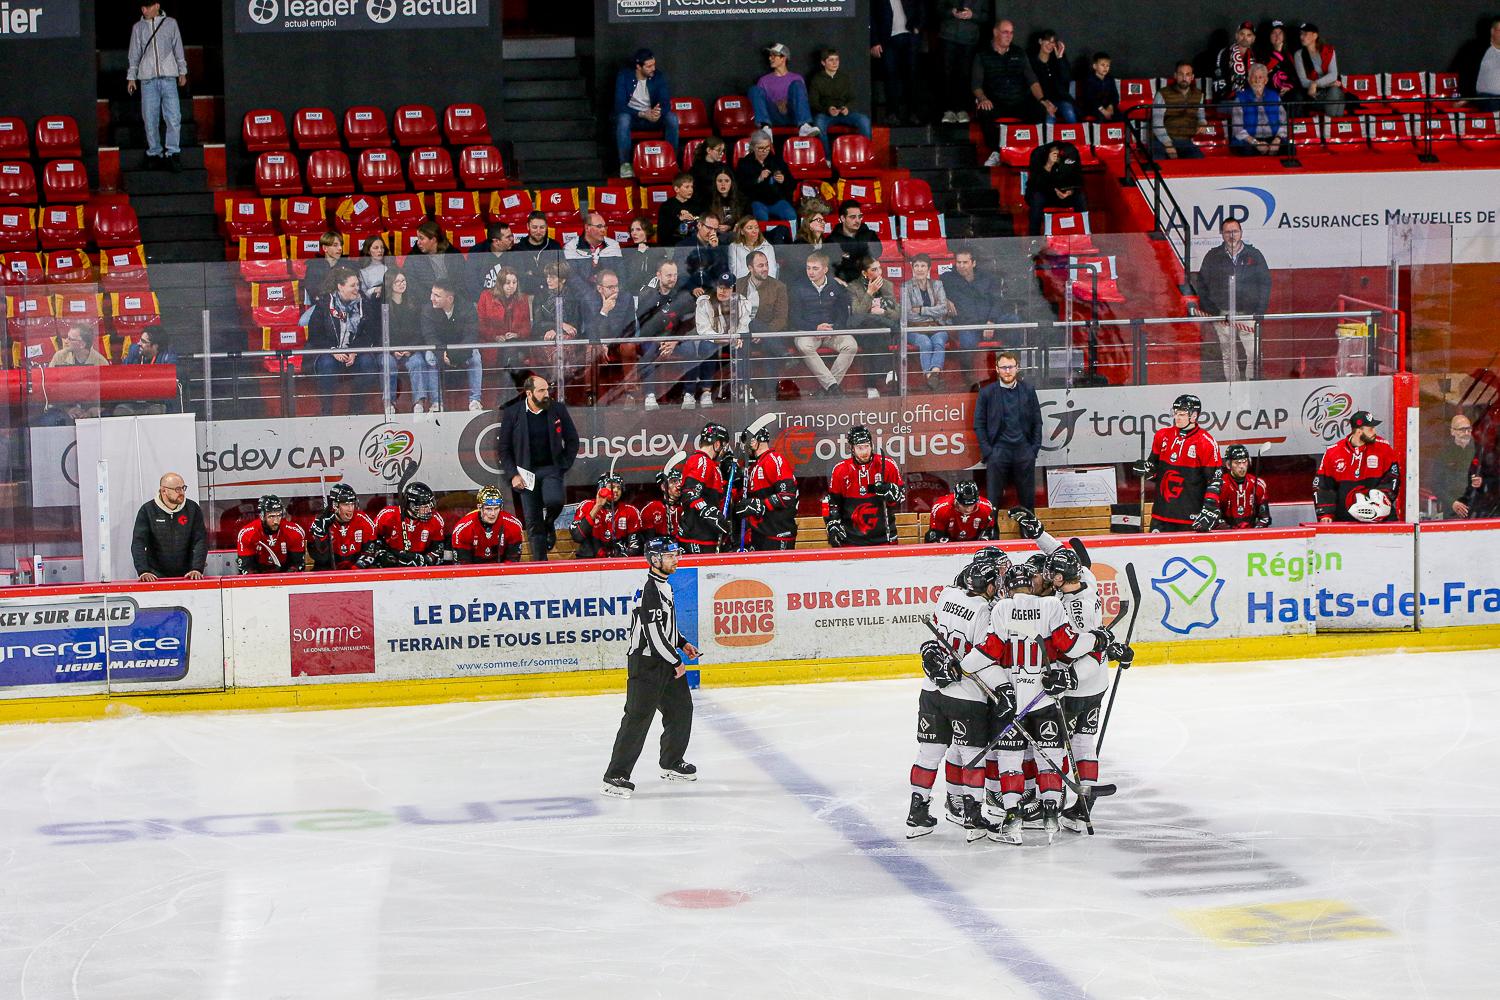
pixel 972 923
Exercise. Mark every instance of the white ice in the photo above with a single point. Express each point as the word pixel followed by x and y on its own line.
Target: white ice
pixel 1368 784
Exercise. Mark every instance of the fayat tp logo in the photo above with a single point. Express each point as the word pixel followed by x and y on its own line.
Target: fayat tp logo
pixel 391 453
pixel 1190 589
pixel 744 613
pixel 1324 410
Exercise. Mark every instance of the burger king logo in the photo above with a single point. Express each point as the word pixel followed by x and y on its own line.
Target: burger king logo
pixel 1109 588
pixel 744 613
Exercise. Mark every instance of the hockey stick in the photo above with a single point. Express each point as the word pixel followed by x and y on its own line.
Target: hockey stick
pixel 1135 605
pixel 1144 480
pixel 1077 783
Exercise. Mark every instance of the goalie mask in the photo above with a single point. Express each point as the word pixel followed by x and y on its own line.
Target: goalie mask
pixel 1369 505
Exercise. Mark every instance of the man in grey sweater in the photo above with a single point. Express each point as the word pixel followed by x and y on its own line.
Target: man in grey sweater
pixel 157 68
pixel 1008 424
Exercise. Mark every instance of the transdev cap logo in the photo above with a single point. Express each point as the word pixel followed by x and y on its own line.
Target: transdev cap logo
pixel 1190 588
pixel 744 613
pixel 332 632
pixel 1324 410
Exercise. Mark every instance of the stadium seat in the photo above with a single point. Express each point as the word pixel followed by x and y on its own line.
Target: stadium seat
pixel 62 227
pixel 22 267
pixel 1078 135
pixel 453 207
pixel 466 125
pixel 123 267
pixel 1016 144
pixel 277 314
pixel 17 182
pixel 1067 233
pixel 272 295
pixel 733 116
pixel 302 214
pixel 877 220
pixel 114 223
pixel 466 235
pixel 560 205
pixel 740 150
pixel 480 168
pixel 653 198
pixel 1478 129
pixel 355 213
pixel 1345 134
pixel 405 211
pixel 692 120
pixel 15 143
pixel 867 191
pixel 277 173
pixel 80 307
pixel 1391 134
pixel 264 129
pixel 65 181
pixel 1083 282
pixel 28 306
pixel 315 128
pixel 1306 136
pixel 1109 143
pixel 431 169
pixel 854 156
pixel 616 204
pixel 924 233
pixel 1213 140
pixel 1438 130
pixel 132 312
pixel 1406 87
pixel 511 207
pixel 380 170
pixel 689 151
pixel 365 127
pixel 57 138
pixel 69 267
pixel 17 228
pixel 804 156
pixel 1135 93
pixel 1443 89
pixel 911 196
pixel 417 125
pixel 1363 87
pixel 328 172
pixel 247 215
pixel 655 162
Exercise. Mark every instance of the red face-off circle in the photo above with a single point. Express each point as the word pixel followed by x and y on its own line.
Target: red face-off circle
pixel 703 899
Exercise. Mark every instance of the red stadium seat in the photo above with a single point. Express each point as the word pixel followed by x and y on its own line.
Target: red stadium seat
pixel 380 170
pixel 365 127
pixel 281 314
pixel 277 173
pixel 22 267
pixel 733 116
pixel 132 312
pixel 1084 283
pixel 655 162
pixel 405 211
pixel 302 214
pixel 867 191
pixel 315 128
pixel 28 307
pixel 1136 93
pixel 123 267
pixel 877 220
pixel 272 295
pixel 57 138
pixel 114 223
pixel 247 215
pixel 560 205
pixel 466 125
pixel 1214 140
pixel 15 143
pixel 1306 135
pixel 1479 129
pixel 1406 87
pixel 512 207
pixel 63 227
pixel 1443 86
pixel 912 196
pixel 692 119
pixel 804 156
pixel 1016 144
pixel 1067 233
pixel 466 235
pixel 616 204
pixel 854 156
pixel 65 181
pixel 17 182
pixel 924 234
pixel 1078 135
pixel 740 150
pixel 480 168
pixel 1109 143
pixel 80 307
pixel 417 125
pixel 431 169
pixel 1438 129
pixel 690 151
pixel 17 228
pixel 355 213
pixel 69 267
pixel 328 172
pixel 653 198
pixel 264 129
pixel 1391 134
pixel 1346 135
pixel 458 206
pixel 1363 87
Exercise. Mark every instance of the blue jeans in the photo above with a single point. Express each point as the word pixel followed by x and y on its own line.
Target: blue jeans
pixel 628 122
pixel 781 210
pixel 799 112
pixel 421 366
pixel 476 371
pixel 1066 113
pixel 331 372
pixel 1186 149
pixel 704 375
pixel 931 347
pixel 855 120
pixel 158 101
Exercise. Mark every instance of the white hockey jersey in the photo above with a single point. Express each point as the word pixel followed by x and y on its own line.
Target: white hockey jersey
pixel 1027 635
pixel 964 621
pixel 1085 612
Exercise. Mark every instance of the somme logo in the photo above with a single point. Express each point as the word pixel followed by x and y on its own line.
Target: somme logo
pixel 264 11
pixel 391 453
pixel 1190 589
pixel 380 11
pixel 1324 410
pixel 332 632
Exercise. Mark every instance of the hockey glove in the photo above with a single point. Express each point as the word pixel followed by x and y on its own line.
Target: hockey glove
pixel 937 663
pixel 989 534
pixel 935 536
pixel 1055 680
pixel 1027 523
pixel 714 520
pixel 751 507
pixel 881 488
pixel 837 533
pixel 319 526
pixel 1120 653
pixel 1145 469
pixel 407 558
pixel 1206 519
pixel 365 561
pixel 1103 639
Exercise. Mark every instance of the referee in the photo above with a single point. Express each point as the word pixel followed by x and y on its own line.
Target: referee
pixel 656 680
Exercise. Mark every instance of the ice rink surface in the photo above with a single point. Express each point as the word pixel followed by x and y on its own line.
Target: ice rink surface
pixel 1319 830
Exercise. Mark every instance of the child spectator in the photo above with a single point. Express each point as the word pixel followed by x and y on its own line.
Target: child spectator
pixel 1098 94
pixel 676 217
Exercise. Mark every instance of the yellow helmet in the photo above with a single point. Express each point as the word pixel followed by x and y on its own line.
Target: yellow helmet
pixel 488 496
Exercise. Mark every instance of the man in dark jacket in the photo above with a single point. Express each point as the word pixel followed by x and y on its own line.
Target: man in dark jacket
pixel 642 101
pixel 538 445
pixel 701 257
pixel 343 319
pixel 820 305
pixel 855 239
pixel 895 37
pixel 1004 86
pixel 1008 424
pixel 169 539
pixel 449 322
pixel 1251 294
pixel 976 298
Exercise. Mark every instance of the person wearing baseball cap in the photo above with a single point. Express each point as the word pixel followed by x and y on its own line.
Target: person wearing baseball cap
pixel 1359 479
pixel 723 320
pixel 1277 56
pixel 780 97
pixel 1317 68
pixel 1232 66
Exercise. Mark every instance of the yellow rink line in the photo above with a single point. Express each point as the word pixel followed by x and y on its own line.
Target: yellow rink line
pixel 365 694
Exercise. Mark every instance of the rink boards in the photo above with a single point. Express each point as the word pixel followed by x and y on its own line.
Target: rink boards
pixel 561 627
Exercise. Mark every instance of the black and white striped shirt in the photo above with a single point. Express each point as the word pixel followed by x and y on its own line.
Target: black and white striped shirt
pixel 654 638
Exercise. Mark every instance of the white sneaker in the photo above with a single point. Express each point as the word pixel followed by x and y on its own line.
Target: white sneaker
pixel 872 393
pixel 950 117
pixel 807 129
pixel 706 398
pixel 626 170
pixel 993 160
pixel 962 118
pixel 436 407
pixel 650 403
pixel 418 409
pixel 688 402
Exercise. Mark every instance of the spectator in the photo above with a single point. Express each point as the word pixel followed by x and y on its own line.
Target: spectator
pixel 343 322
pixel 722 197
pixel 895 39
pixel 538 445
pixel 317 280
pixel 1479 68
pixel 372 274
pixel 857 240
pixel 1278 60
pixel 780 97
pixel 436 261
pixel 1004 86
pixel 505 315
pixel 1483 496
pixel 818 304
pixel 675 218
pixel 1234 279
pixel 557 315
pixel 1050 68
pixel 1317 67
pixel 1359 478
pixel 637 262
pixel 1055 180
pixel 749 239
pixel 923 306
pixel 451 322
pixel 169 540
pixel 151 348
pixel 712 154
pixel 764 295
pixel 536 251
pixel 961 29
pixel 1098 93
pixel 872 303
pixel 813 226
pixel 1445 469
pixel 722 319
pixel 592 252
pixel 486 263
pixel 1232 66
pixel 701 256
pixel 1008 426
pixel 1258 124
pixel 1177 115
pixel 766 180
pixel 976 298
pixel 404 334
pixel 77 350
pixel 663 309
pixel 831 96
pixel 158 67
pixel 643 102
pixel 611 315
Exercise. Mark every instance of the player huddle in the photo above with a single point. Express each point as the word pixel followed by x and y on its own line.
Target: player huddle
pixel 1011 693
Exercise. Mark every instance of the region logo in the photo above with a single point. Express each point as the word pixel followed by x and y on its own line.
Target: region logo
pixel 332 632
pixel 744 613
pixel 391 453
pixel 1190 588
pixel 638 8
pixel 1324 410
pixel 264 11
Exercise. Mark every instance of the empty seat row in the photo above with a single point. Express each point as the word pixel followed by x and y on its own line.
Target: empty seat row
pixel 365 127
pixel 1363 87
pixel 116 269
pixel 107 222
pixel 63 182
pixel 56 137
pixel 429 168
pixel 1097 142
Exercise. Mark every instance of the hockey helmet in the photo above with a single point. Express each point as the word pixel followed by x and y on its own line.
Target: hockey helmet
pixel 966 494
pixel 1036 562
pixel 661 546
pixel 270 504
pixel 759 430
pixel 1064 562
pixel 341 493
pixel 612 482
pixel 1019 577
pixel 1236 453
pixel 713 432
pixel 994 554
pixel 859 434
pixel 1189 403
pixel 981 575
pixel 488 496
pixel 417 501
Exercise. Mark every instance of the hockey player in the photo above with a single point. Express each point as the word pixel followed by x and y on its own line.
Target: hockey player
pixel 955 714
pixel 1242 497
pixel 990 553
pixel 660 518
pixel 769 504
pixel 605 526
pixel 704 523
pixel 1359 478
pixel 271 543
pixel 1185 462
pixel 338 536
pixel 656 680
pixel 961 516
pixel 411 534
pixel 862 491
pixel 488 533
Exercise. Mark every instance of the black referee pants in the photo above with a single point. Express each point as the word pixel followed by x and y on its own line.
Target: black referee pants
pixel 650 689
